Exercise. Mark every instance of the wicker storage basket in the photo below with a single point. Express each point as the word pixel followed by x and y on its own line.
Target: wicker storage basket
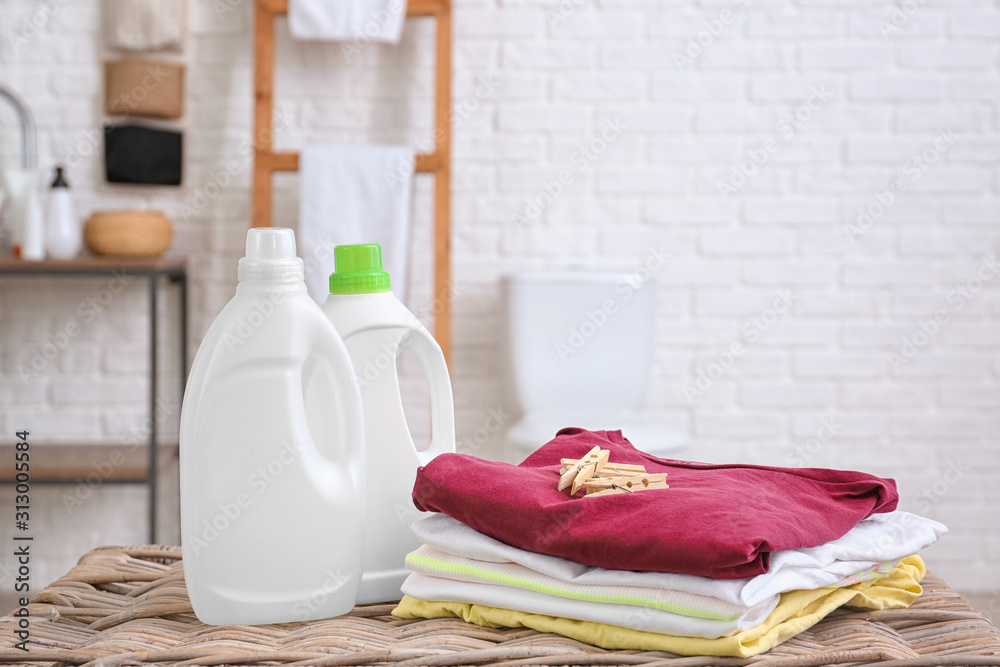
pixel 129 606
pixel 128 233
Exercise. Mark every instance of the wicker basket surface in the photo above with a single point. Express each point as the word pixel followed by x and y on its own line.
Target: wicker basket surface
pixel 129 606
pixel 128 233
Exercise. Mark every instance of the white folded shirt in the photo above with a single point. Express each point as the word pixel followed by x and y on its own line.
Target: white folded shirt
pixel 638 618
pixel 677 610
pixel 868 550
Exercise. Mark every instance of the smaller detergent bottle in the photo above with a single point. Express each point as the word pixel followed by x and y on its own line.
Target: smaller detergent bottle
pixel 374 325
pixel 272 463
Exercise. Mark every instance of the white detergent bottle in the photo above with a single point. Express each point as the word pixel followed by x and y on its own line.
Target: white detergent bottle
pixel 375 325
pixel 272 463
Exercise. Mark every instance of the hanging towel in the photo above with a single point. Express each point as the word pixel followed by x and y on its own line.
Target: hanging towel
pixel 720 521
pixel 358 21
pixel 145 25
pixel 798 611
pixel 149 88
pixel 452 550
pixel 353 193
pixel 142 155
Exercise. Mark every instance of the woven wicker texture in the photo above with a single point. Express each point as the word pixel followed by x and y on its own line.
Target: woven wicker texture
pixel 128 233
pixel 129 607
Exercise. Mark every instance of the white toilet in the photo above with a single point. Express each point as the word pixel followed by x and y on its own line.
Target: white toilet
pixel 579 353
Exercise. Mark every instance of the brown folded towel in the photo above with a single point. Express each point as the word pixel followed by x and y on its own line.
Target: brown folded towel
pixel 143 88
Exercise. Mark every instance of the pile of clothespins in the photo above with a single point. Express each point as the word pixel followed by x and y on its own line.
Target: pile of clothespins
pixel 595 473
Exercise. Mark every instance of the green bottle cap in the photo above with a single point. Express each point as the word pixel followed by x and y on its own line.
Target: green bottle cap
pixel 358 270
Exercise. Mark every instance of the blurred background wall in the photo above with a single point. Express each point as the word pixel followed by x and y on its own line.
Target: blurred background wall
pixel 837 156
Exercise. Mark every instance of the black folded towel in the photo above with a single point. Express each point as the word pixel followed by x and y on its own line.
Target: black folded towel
pixel 138 154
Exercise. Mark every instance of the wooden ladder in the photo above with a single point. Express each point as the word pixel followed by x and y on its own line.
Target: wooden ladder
pixel 438 162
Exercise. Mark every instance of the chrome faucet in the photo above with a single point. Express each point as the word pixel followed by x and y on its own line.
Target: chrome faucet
pixel 29 151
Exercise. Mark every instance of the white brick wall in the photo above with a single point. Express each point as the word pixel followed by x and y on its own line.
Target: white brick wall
pixel 687 129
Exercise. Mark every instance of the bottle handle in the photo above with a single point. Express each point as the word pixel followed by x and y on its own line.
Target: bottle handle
pixel 431 359
pixel 344 384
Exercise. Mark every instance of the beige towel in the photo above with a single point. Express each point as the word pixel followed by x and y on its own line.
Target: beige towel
pixel 145 25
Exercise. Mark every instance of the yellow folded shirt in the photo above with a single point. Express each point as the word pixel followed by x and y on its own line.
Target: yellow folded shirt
pixel 797 611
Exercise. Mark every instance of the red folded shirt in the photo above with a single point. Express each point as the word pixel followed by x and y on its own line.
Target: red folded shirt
pixel 718 521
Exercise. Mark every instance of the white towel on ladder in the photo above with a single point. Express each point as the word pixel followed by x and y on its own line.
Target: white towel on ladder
pixel 354 193
pixel 347 20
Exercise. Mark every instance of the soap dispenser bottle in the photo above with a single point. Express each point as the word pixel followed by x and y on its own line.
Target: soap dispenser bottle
pixel 23 189
pixel 63 236
pixel 375 325
pixel 272 461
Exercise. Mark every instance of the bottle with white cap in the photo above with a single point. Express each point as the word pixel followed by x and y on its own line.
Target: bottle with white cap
pixel 272 460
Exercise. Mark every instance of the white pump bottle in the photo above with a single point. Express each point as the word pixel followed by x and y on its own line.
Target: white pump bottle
pixel 374 325
pixel 272 453
pixel 63 235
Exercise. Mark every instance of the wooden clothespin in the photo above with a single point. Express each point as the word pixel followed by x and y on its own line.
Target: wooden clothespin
pixel 570 472
pixel 610 470
pixel 632 482
pixel 622 467
pixel 590 470
pixel 595 473
pixel 615 485
pixel 581 470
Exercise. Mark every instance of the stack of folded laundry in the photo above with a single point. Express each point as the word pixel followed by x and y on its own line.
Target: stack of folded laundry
pixel 719 560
